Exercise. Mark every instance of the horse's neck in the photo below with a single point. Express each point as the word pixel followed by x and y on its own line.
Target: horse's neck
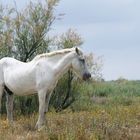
pixel 64 64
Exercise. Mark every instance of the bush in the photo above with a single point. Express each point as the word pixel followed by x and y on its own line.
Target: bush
pixel 65 93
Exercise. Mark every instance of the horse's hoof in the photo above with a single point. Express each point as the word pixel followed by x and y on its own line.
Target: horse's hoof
pixel 40 128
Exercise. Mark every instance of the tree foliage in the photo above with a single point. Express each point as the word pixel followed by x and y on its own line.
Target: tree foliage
pixel 27 30
pixel 68 40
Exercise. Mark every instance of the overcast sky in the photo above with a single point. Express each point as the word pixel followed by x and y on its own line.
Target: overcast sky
pixel 110 28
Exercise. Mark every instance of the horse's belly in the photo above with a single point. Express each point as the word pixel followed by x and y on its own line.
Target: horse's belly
pixel 21 84
pixel 21 89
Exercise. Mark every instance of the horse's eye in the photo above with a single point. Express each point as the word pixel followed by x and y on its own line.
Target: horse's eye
pixel 82 60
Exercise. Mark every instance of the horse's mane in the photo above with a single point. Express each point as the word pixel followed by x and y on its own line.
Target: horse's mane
pixel 58 52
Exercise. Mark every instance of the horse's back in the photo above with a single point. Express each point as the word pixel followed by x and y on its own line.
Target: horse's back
pixel 9 61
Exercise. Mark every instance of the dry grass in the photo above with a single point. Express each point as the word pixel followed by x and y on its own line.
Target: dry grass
pixel 116 123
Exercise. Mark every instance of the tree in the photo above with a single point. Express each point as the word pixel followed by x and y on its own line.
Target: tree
pixel 27 30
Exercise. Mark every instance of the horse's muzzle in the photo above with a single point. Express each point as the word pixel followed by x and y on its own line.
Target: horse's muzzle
pixel 86 76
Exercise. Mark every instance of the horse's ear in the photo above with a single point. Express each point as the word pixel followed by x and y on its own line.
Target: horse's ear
pixel 77 50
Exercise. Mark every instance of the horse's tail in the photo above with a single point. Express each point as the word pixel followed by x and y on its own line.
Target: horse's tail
pixel 1 81
pixel 1 71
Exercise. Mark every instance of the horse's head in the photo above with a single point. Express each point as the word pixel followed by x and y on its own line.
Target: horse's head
pixel 79 65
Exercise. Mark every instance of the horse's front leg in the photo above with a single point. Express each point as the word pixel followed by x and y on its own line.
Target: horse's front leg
pixel 9 107
pixel 41 118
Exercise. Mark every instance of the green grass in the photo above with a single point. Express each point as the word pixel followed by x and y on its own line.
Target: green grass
pixel 107 94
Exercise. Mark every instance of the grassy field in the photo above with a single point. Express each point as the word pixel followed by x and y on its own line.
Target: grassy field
pixel 102 111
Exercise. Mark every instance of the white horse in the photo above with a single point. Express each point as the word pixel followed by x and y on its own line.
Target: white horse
pixel 39 76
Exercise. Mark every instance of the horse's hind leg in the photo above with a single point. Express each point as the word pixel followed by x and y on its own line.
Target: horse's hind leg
pixel 9 107
pixel 1 93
